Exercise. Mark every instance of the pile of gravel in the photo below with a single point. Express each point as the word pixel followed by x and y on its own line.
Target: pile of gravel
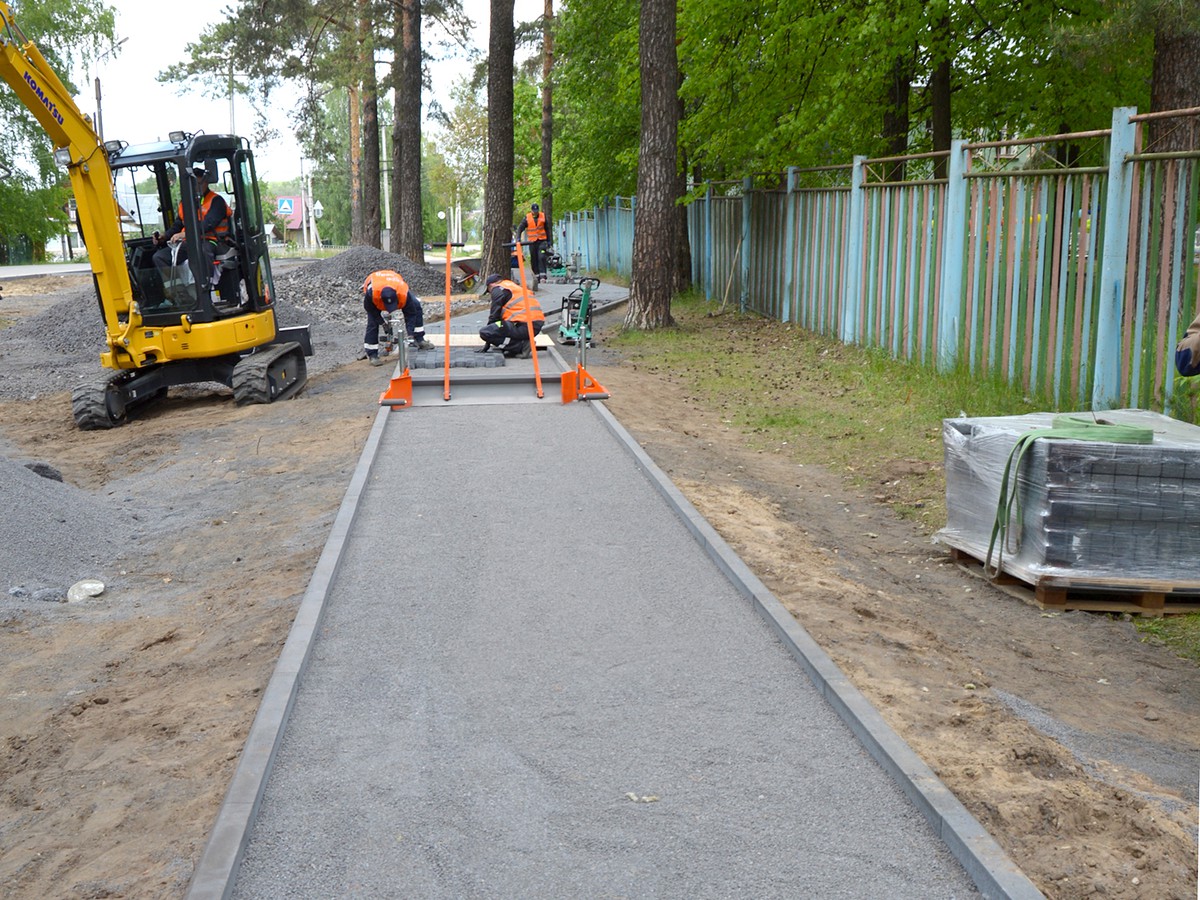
pixel 55 535
pixel 330 290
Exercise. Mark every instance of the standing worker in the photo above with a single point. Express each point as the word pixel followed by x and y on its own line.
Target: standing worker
pixel 384 292
pixel 513 308
pixel 533 226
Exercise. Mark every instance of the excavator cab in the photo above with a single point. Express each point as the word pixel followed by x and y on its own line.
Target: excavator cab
pixel 207 276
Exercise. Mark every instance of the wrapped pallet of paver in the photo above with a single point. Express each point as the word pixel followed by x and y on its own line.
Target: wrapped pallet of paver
pixel 1110 499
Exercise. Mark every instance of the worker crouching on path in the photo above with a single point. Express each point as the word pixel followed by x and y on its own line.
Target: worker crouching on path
pixel 508 319
pixel 384 292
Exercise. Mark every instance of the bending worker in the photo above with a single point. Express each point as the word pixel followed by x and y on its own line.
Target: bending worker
pixel 384 292
pixel 508 319
pixel 533 226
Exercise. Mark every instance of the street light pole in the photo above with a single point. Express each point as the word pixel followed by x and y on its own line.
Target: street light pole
pixel 107 54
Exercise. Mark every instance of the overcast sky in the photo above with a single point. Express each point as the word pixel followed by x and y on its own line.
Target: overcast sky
pixel 136 108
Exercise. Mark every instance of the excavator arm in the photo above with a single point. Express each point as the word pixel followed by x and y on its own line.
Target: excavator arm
pixel 79 148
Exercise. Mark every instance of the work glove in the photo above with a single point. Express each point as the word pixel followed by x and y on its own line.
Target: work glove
pixel 1187 351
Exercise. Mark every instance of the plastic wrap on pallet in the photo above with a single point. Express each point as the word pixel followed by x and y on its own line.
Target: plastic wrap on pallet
pixel 1087 508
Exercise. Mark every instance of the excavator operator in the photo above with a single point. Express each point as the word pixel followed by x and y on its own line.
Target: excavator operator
pixel 214 217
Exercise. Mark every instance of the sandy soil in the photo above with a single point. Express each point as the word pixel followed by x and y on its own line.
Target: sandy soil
pixel 1075 744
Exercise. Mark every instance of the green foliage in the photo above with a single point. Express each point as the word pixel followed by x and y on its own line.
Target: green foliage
pixel 32 187
pixel 773 83
pixel 597 103
pixel 527 143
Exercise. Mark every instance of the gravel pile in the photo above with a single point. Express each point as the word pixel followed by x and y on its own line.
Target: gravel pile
pixel 331 289
pixel 55 535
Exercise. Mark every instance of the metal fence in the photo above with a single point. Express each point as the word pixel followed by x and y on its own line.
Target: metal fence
pixel 1066 263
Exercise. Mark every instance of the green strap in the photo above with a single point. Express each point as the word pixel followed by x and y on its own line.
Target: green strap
pixel 1068 428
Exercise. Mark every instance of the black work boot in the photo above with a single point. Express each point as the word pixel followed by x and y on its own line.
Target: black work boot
pixel 484 349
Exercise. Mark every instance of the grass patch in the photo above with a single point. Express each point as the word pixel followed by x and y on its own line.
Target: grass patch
pixel 1179 634
pixel 875 420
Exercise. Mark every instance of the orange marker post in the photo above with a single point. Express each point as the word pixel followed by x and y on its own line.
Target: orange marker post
pixel 537 372
pixel 446 323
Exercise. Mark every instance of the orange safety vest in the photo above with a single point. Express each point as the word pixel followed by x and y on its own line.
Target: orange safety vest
pixel 535 228
pixel 386 278
pixel 522 306
pixel 222 227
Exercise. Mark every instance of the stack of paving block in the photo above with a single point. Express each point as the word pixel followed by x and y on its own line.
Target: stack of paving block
pixel 1086 509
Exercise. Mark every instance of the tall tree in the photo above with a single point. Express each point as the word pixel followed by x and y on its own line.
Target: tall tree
pixel 370 125
pixel 407 231
pixel 548 116
pixel 498 193
pixel 654 240
pixel 1175 83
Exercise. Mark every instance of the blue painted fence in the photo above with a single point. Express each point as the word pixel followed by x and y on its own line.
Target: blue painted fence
pixel 1066 263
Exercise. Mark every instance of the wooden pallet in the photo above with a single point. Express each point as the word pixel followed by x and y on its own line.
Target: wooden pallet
pixel 1144 597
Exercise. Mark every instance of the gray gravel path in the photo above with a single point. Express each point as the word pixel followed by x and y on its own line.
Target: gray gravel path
pixel 590 710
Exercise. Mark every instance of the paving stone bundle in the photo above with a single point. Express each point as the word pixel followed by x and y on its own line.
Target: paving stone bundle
pixel 1087 509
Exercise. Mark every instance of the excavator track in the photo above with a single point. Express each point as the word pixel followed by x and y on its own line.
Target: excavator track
pixel 275 372
pixel 108 401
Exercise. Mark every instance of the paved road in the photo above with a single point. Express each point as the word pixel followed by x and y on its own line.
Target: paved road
pixel 517 674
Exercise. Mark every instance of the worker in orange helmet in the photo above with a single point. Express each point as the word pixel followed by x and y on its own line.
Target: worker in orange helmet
pixel 384 292
pixel 533 227
pixel 512 310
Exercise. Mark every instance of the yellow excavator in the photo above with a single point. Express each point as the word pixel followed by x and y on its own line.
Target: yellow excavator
pixel 182 313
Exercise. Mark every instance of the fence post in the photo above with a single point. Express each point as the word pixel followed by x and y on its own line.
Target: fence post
pixel 744 275
pixel 950 300
pixel 632 230
pixel 854 254
pixel 789 237
pixel 708 242
pixel 1106 377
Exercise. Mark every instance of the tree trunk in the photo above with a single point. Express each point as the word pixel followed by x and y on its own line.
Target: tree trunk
pixel 895 115
pixel 1175 84
pixel 655 239
pixel 370 127
pixel 356 212
pixel 939 95
pixel 407 225
pixel 498 188
pixel 547 117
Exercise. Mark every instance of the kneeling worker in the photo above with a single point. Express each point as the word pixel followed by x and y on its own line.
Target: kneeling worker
pixel 384 292
pixel 508 319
